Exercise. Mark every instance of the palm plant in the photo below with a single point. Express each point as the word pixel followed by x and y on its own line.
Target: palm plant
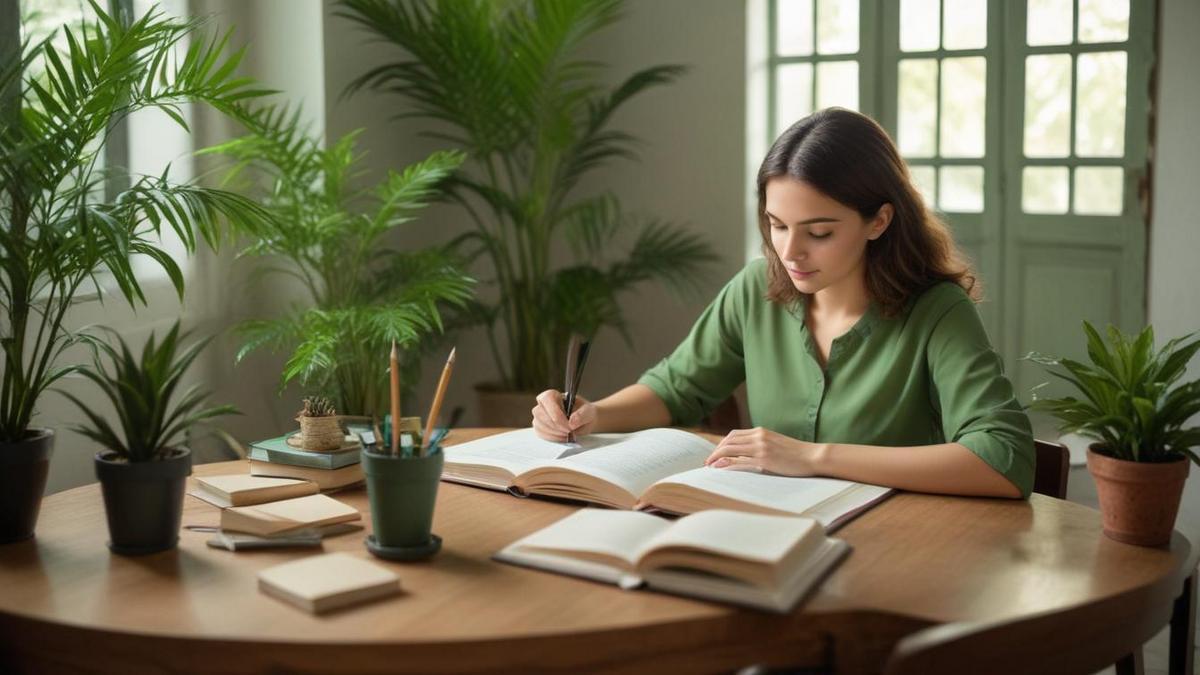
pixel 142 392
pixel 502 81
pixel 58 233
pixel 1129 404
pixel 364 295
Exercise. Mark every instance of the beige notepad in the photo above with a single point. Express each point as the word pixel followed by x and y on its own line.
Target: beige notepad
pixel 242 489
pixel 324 582
pixel 288 514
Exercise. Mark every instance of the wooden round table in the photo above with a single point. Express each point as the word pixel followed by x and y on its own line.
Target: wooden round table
pixel 918 561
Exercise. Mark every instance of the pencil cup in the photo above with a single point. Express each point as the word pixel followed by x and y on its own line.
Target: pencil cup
pixel 402 492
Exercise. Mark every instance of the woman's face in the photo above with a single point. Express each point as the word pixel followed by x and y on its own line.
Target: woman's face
pixel 821 242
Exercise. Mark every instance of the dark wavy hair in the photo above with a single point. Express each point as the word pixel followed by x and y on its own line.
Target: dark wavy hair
pixel 850 158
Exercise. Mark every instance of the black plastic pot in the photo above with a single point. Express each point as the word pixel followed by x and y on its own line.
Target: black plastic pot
pixel 23 469
pixel 143 501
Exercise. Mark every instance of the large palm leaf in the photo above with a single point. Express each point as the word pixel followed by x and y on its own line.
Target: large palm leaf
pixel 58 234
pixel 503 81
pixel 330 234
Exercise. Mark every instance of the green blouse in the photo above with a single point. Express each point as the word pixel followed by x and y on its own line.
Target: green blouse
pixel 927 377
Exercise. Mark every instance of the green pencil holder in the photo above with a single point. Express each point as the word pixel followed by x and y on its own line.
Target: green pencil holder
pixel 402 493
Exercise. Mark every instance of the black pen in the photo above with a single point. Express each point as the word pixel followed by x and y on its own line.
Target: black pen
pixel 577 353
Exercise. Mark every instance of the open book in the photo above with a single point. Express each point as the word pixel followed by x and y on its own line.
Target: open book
pixel 761 561
pixel 655 469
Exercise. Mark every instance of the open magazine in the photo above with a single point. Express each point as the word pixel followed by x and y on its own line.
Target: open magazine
pixel 655 469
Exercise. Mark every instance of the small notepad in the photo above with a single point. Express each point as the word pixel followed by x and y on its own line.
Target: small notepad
pixel 325 582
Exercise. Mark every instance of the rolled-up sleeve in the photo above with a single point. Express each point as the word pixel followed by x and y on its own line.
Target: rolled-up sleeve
pixel 975 400
pixel 709 364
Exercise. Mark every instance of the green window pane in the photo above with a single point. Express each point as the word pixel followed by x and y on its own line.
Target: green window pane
pixel 925 182
pixel 1048 22
pixel 837 84
pixel 1048 105
pixel 919 25
pixel 961 189
pixel 917 107
pixel 1098 190
pixel 966 24
pixel 794 27
pixel 837 26
pixel 964 95
pixel 1044 189
pixel 793 94
pixel 1100 105
pixel 1103 20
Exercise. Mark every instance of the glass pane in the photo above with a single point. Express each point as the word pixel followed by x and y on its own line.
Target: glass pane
pixel 922 177
pixel 1044 189
pixel 837 26
pixel 966 24
pixel 1103 20
pixel 1048 105
pixel 964 87
pixel 1098 190
pixel 917 108
pixel 1048 22
pixel 793 94
pixel 919 25
pixel 794 27
pixel 1100 105
pixel 837 84
pixel 962 189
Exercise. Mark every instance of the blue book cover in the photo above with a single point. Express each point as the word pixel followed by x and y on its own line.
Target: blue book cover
pixel 277 450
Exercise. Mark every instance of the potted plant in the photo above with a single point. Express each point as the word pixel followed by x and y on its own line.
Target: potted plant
pixel 62 233
pixel 505 82
pixel 320 428
pixel 142 470
pixel 332 236
pixel 1137 413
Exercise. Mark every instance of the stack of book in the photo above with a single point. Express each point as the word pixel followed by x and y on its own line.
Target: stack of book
pixel 329 470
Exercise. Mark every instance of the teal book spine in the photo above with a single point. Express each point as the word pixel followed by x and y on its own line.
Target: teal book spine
pixel 278 451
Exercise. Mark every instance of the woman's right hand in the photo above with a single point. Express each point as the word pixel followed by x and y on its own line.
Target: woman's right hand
pixel 551 422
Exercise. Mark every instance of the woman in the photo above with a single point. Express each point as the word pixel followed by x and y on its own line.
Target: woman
pixel 862 351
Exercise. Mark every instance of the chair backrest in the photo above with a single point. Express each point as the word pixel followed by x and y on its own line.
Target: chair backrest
pixel 1051 468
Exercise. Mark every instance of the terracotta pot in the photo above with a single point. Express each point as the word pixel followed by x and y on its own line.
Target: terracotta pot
pixel 321 434
pixel 1138 500
pixel 501 408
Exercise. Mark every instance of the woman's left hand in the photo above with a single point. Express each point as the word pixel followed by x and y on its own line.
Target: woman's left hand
pixel 763 450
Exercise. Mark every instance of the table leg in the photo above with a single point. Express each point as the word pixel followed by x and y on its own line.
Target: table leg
pixel 1183 629
pixel 1131 663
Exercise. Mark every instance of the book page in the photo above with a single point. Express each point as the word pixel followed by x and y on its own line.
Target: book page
pixel 750 536
pixel 783 493
pixel 513 451
pixel 615 534
pixel 635 461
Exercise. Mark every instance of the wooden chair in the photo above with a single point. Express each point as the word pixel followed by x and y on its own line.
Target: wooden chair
pixel 1050 469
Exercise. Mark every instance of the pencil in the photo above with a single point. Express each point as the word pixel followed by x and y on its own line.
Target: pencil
pixel 437 399
pixel 395 368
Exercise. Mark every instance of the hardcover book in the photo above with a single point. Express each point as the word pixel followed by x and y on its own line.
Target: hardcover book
pixel 655 469
pixel 754 560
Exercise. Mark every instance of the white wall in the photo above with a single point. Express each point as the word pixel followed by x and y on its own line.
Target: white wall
pixel 1174 274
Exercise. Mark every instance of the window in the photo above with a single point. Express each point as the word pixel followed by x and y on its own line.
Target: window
pixel 148 142
pixel 1024 123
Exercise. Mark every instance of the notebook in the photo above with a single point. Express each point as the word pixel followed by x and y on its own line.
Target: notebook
pixel 286 515
pixel 243 489
pixel 325 582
